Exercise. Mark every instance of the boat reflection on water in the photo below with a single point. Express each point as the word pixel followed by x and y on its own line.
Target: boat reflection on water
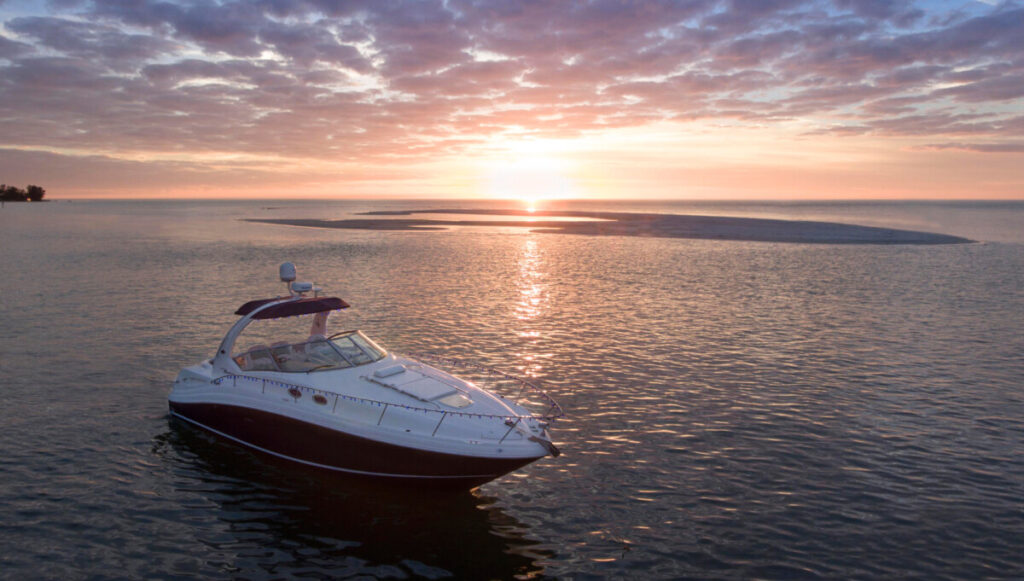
pixel 286 521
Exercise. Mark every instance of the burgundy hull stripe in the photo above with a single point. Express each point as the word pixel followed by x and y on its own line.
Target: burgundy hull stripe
pixel 316 445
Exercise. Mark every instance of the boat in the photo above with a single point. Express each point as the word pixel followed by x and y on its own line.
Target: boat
pixel 343 403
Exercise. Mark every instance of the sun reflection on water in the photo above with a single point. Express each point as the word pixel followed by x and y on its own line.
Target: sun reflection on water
pixel 530 307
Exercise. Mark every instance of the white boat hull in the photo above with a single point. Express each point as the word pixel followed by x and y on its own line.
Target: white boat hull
pixel 334 432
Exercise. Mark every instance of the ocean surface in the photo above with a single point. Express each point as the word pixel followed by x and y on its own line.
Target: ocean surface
pixel 735 410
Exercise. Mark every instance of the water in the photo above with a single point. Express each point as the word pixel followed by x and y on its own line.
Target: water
pixel 736 410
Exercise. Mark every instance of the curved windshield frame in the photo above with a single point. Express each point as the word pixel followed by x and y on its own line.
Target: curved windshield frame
pixel 339 351
pixel 356 348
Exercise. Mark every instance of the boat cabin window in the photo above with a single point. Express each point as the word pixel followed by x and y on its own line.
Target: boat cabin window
pixel 376 352
pixel 346 349
pixel 350 351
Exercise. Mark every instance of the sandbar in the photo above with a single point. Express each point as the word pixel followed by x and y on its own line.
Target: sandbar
pixel 638 224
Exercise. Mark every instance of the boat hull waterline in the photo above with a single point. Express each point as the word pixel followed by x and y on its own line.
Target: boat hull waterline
pixel 320 447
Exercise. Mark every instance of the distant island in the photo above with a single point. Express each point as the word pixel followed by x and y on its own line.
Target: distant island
pixel 31 193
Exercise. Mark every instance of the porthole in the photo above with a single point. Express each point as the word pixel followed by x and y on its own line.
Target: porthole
pixel 319 399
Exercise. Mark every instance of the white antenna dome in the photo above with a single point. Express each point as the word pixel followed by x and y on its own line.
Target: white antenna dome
pixel 287 272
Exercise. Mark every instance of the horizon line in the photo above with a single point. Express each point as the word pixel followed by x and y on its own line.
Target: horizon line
pixel 524 202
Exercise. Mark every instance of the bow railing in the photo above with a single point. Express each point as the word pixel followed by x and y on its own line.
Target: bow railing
pixel 527 393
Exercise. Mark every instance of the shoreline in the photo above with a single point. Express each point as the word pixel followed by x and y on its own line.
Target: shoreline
pixel 638 224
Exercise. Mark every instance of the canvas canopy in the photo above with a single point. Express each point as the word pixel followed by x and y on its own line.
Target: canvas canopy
pixel 303 306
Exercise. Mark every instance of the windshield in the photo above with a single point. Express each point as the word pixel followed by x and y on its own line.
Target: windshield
pixel 345 349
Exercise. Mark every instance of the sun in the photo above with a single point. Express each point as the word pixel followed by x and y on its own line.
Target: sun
pixel 530 179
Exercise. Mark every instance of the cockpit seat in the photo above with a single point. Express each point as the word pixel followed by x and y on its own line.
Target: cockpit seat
pixel 257 358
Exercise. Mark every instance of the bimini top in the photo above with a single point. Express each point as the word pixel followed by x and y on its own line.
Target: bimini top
pixel 303 306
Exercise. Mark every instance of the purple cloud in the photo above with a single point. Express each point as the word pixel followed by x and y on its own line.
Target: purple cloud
pixel 10 49
pixel 108 44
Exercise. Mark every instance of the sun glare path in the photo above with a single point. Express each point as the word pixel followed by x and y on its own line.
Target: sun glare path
pixel 530 307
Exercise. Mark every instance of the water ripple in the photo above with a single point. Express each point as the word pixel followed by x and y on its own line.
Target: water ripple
pixel 735 410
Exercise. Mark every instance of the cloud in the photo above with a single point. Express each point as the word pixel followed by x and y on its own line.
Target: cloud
pixel 10 49
pixel 1010 147
pixel 306 46
pixel 397 81
pixel 1008 88
pixel 104 175
pixel 108 44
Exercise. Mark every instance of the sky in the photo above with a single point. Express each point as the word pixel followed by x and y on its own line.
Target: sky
pixel 690 99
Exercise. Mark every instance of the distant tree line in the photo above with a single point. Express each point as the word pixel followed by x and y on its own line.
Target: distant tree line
pixel 15 194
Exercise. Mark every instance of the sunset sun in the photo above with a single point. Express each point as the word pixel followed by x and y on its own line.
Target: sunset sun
pixel 530 179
